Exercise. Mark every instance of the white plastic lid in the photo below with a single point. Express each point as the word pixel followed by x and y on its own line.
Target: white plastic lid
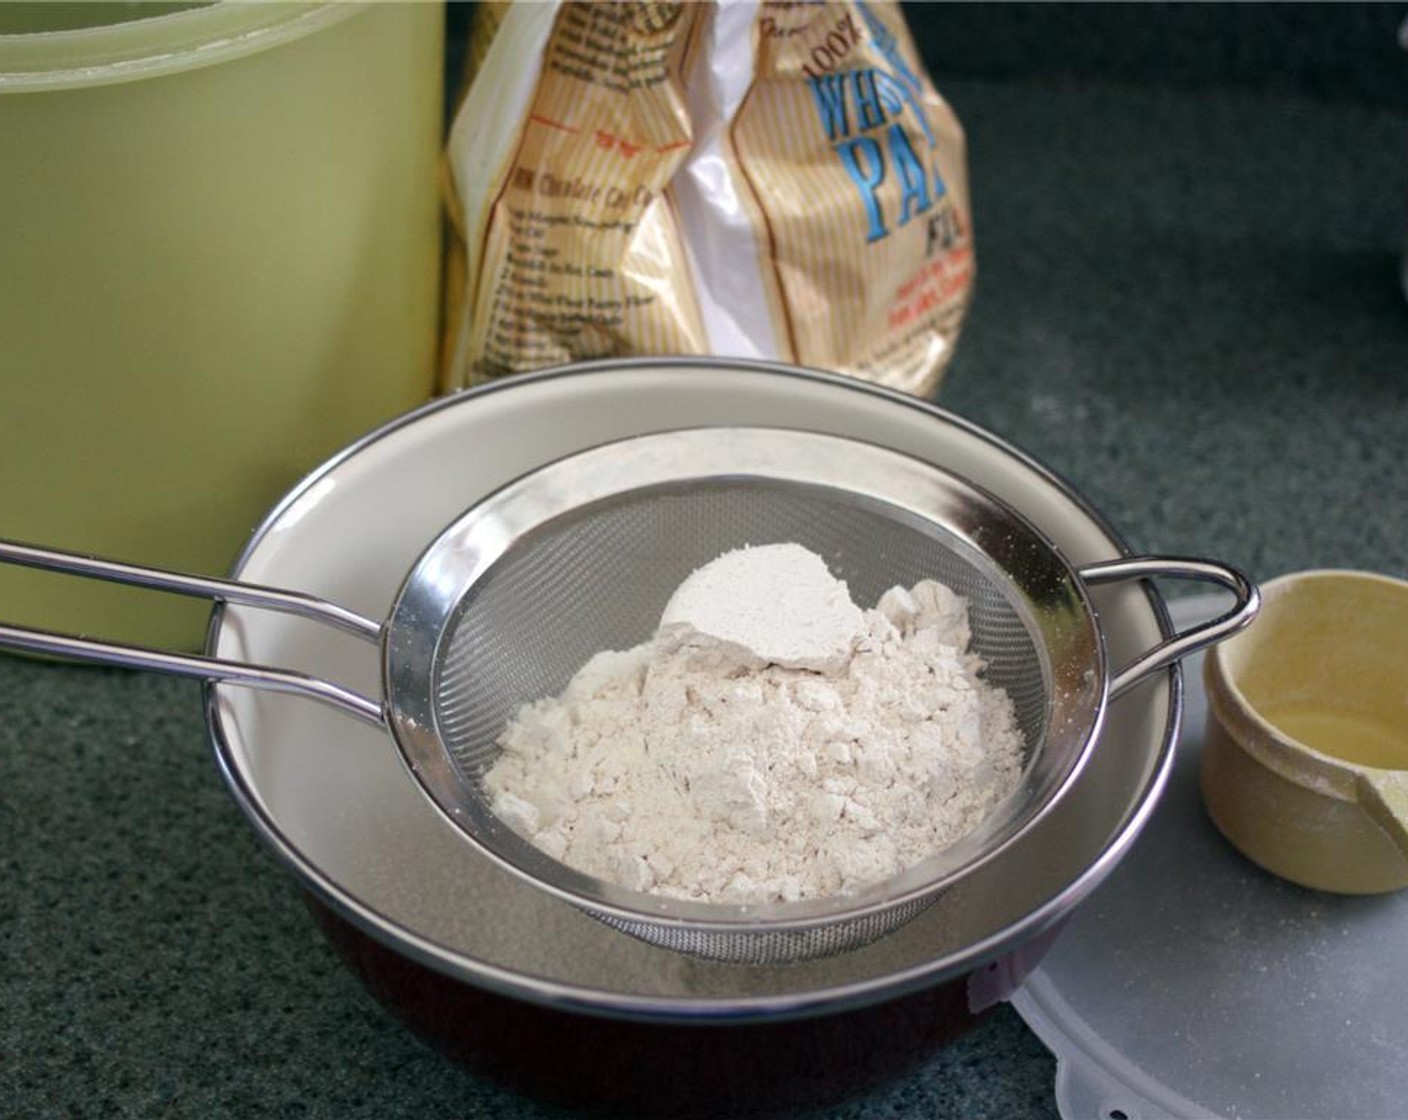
pixel 1194 984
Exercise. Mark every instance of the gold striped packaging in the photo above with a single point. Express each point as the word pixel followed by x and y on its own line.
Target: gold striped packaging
pixel 771 180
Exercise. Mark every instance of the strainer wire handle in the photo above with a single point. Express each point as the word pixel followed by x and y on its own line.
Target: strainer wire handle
pixel 35 640
pixel 1189 642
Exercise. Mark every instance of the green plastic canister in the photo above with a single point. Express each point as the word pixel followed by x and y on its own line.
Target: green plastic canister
pixel 220 228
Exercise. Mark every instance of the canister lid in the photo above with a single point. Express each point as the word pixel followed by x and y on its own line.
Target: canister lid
pixel 47 46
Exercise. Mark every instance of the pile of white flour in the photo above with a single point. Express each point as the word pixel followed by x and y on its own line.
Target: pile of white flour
pixel 772 741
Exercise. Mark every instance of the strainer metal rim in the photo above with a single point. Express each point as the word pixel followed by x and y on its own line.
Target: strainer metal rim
pixel 979 521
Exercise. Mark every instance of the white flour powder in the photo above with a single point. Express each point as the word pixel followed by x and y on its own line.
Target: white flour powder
pixel 773 741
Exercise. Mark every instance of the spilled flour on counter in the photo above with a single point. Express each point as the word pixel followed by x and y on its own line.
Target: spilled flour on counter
pixel 772 741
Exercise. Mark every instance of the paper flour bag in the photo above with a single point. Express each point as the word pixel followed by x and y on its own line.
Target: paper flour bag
pixel 763 180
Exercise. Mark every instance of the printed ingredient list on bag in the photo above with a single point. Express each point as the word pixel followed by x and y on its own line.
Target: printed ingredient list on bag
pixel 581 253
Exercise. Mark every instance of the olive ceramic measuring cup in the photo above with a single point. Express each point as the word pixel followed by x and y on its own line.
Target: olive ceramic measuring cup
pixel 1305 768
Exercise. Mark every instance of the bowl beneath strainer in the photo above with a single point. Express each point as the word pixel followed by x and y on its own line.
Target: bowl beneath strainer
pixel 333 802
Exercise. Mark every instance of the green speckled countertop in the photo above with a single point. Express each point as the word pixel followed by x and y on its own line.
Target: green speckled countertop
pixel 1189 306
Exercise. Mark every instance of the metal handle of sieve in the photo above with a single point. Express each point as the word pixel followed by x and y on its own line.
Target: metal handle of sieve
pixel 1246 593
pixel 35 640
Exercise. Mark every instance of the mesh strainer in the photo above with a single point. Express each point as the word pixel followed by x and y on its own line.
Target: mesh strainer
pixel 582 554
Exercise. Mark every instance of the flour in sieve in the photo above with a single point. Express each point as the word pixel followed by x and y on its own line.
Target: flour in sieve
pixel 772 741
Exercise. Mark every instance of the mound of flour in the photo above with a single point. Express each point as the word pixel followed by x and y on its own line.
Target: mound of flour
pixel 772 741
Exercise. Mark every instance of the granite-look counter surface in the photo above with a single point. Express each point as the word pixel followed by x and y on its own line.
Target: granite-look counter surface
pixel 1188 305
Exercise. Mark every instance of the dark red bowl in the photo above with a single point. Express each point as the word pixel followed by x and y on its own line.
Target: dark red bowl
pixel 713 1069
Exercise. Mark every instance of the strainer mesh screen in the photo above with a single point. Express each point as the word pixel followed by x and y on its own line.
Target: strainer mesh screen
pixel 782 946
pixel 599 577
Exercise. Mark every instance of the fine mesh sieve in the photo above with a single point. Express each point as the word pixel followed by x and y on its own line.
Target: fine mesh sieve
pixel 582 554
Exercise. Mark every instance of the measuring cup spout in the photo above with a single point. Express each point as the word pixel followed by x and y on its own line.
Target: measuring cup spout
pixel 1383 794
